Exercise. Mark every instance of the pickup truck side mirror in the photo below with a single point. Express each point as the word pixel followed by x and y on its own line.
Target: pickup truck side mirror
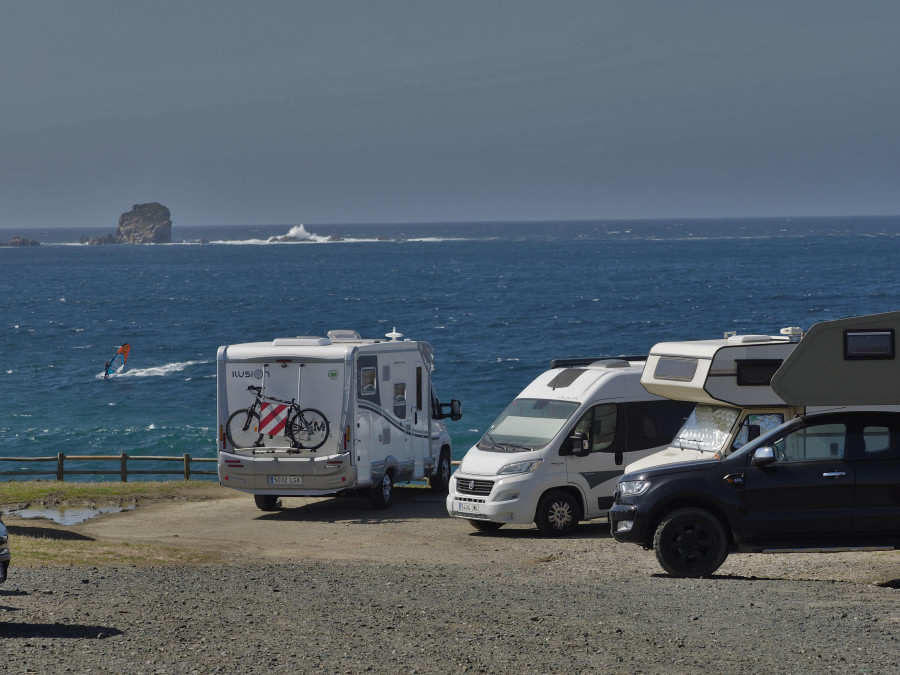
pixel 578 444
pixel 763 456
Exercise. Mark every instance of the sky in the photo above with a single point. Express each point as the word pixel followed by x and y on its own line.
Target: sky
pixel 334 111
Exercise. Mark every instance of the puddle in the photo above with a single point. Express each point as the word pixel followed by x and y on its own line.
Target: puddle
pixel 71 516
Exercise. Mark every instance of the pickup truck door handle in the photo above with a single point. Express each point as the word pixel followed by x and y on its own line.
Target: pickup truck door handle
pixel 833 474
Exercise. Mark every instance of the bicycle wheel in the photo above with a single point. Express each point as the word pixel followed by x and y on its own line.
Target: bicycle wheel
pixel 308 429
pixel 242 429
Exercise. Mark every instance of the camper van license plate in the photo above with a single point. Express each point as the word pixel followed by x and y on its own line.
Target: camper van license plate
pixel 467 507
pixel 285 480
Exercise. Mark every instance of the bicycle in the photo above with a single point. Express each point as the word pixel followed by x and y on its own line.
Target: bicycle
pixel 307 428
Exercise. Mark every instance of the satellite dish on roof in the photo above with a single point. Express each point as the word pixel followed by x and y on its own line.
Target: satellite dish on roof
pixel 394 335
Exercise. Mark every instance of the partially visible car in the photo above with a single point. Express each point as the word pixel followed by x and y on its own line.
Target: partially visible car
pixel 822 483
pixel 4 552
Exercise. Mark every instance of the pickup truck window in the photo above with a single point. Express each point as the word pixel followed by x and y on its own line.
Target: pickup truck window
pixel 813 443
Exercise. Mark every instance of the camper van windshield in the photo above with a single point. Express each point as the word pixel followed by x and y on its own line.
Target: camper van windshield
pixel 527 423
pixel 707 429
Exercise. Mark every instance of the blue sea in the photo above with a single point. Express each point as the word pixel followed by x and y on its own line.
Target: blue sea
pixel 496 301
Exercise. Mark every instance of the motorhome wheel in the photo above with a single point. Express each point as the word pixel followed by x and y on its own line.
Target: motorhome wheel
pixel 557 514
pixel 485 525
pixel 267 502
pixel 383 493
pixel 440 481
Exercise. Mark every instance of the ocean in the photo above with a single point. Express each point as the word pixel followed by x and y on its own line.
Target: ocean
pixel 496 301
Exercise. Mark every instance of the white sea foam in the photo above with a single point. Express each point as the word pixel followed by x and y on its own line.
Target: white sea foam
pixel 158 371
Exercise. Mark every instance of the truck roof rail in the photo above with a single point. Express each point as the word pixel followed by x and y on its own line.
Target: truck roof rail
pixel 586 361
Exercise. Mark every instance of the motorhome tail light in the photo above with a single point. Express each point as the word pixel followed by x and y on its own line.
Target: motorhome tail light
pixel 337 461
pixel 346 437
pixel 234 464
pixel 222 435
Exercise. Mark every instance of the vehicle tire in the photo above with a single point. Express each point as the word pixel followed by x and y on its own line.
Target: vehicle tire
pixel 690 542
pixel 267 502
pixel 309 436
pixel 440 481
pixel 383 494
pixel 242 429
pixel 557 514
pixel 485 525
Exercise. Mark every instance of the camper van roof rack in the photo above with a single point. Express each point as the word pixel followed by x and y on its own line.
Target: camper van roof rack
pixel 607 361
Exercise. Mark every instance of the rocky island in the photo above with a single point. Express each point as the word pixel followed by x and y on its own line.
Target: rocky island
pixel 20 241
pixel 145 224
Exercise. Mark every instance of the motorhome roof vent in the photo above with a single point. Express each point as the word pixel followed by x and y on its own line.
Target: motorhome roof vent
pixel 302 341
pixel 612 363
pixel 742 339
pixel 344 335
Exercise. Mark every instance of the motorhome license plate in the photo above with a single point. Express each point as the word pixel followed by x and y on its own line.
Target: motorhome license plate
pixel 467 507
pixel 285 480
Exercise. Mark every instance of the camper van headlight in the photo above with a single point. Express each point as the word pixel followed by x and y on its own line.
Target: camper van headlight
pixel 632 488
pixel 520 467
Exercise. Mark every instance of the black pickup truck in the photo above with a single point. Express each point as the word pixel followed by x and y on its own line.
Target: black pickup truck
pixel 825 482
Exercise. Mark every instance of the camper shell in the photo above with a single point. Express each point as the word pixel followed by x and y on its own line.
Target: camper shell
pixel 384 421
pixel 730 381
pixel 553 456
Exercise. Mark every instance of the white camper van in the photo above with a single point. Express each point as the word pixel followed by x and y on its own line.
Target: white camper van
pixel 312 416
pixel 553 456
pixel 729 380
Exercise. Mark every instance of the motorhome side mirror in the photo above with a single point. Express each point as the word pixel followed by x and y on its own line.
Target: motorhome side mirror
pixel 763 456
pixel 578 444
pixel 752 432
pixel 455 410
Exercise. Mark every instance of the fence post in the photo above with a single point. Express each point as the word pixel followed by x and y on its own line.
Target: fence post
pixel 124 470
pixel 60 468
pixel 187 466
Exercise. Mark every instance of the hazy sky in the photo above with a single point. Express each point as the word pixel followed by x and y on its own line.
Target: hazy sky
pixel 303 111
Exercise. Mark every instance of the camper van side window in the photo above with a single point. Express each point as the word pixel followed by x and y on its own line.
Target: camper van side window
pixel 868 344
pixel 682 370
pixel 368 382
pixel 599 424
pixel 400 400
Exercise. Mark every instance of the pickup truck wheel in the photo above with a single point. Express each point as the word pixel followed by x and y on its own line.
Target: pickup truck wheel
pixel 440 481
pixel 485 525
pixel 557 514
pixel 690 542
pixel 267 502
pixel 383 493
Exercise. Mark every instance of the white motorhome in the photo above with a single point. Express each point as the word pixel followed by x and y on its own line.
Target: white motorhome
pixel 730 381
pixel 554 455
pixel 312 416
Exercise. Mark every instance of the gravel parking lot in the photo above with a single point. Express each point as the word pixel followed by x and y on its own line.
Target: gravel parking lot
pixel 329 585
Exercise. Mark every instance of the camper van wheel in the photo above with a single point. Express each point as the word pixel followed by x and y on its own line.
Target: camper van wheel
pixel 382 494
pixel 557 514
pixel 267 502
pixel 440 481
pixel 690 542
pixel 485 525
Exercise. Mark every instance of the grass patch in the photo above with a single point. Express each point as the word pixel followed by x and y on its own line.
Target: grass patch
pixel 42 552
pixel 51 492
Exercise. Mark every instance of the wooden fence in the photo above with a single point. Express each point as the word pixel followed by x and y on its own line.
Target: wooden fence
pixel 123 471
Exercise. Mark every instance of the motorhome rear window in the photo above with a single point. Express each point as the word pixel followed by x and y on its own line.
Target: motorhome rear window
pixel 756 372
pixel 668 368
pixel 869 344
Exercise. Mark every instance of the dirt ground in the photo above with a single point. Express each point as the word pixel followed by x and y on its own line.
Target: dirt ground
pixel 415 528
